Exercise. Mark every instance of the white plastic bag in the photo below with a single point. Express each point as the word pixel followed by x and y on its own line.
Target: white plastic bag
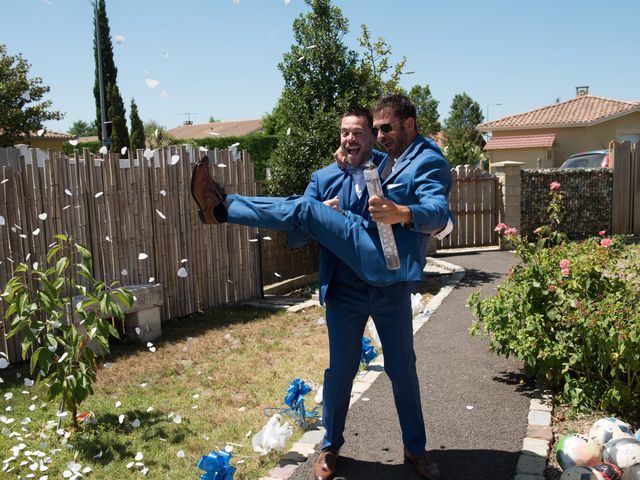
pixel 416 303
pixel 273 435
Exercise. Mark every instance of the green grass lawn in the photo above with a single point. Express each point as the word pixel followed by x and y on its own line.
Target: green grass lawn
pixel 204 387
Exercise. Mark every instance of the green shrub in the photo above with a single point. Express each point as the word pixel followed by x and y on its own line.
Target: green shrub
pixel 259 146
pixel 571 313
pixel 92 146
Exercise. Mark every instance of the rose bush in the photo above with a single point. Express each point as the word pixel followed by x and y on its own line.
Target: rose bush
pixel 571 312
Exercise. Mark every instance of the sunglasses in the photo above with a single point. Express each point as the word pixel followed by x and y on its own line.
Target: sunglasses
pixel 386 127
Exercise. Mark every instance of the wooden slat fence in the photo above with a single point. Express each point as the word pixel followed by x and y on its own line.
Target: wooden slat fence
pixel 625 159
pixel 475 203
pixel 138 219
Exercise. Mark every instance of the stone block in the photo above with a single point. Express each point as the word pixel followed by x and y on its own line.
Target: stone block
pixel 313 436
pixel 539 404
pixel 535 446
pixel 283 472
pixel 531 465
pixel 537 417
pixel 148 322
pixel 540 431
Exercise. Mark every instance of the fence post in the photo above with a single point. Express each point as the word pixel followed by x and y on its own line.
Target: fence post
pixel 508 174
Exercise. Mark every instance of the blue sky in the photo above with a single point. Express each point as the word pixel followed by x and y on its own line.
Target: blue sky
pixel 219 57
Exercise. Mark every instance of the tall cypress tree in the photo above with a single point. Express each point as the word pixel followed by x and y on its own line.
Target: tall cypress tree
pixel 137 127
pixel 109 76
pixel 116 113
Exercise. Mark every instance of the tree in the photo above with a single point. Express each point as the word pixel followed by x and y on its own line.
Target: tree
pixel 213 119
pixel 426 110
pixel 156 135
pixel 109 76
pixel 322 77
pixel 463 143
pixel 375 64
pixel 116 113
pixel 80 128
pixel 137 127
pixel 20 100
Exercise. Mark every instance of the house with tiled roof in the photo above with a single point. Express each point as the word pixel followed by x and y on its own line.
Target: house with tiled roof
pixel 237 128
pixel 547 136
pixel 47 139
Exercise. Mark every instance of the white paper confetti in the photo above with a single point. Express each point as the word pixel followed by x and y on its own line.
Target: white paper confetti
pixel 68 192
pixel 182 272
pixel 142 256
pixel 152 279
pixel 174 159
pixel 277 274
pixel 103 150
pixel 63 356
pixel 266 238
pixel 160 214
pixel 36 232
pixel 123 150
pixel 163 193
pixel 2 220
pixel 40 132
pixel 289 131
pixel 42 216
pixel 177 419
pixel 221 165
pixel 98 195
pixel 151 83
pixel 203 149
pixel 135 423
pixel 148 154
pixel 119 38
pixel 73 142
pixel 3 363
pixel 124 272
pixel 180 454
pixel 121 418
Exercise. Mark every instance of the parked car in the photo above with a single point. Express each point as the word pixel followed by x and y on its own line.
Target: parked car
pixel 592 159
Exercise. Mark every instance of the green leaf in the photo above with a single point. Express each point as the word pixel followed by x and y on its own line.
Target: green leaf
pixel 52 251
pixel 61 266
pixel 86 254
pixel 61 236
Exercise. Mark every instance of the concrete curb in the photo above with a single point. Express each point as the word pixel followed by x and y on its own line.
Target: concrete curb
pixel 306 445
pixel 535 446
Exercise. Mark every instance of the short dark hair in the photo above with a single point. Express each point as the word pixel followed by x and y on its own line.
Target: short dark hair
pixel 358 111
pixel 400 104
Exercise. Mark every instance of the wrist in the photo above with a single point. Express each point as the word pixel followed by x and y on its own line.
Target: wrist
pixel 407 221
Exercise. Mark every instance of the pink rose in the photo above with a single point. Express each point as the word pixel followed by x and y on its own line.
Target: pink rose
pixel 606 242
pixel 602 233
pixel 500 227
pixel 565 272
pixel 552 288
pixel 554 185
pixel 511 231
pixel 564 263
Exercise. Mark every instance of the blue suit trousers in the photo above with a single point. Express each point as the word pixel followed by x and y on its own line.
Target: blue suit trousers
pixel 344 235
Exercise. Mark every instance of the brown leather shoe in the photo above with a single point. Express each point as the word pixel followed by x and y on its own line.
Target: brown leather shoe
pixel 325 466
pixel 208 194
pixel 425 467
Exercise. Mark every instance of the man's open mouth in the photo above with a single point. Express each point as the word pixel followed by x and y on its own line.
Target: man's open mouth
pixel 353 151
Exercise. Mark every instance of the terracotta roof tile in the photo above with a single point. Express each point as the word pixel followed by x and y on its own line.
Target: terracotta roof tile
pixel 583 110
pixel 217 129
pixel 51 134
pixel 520 141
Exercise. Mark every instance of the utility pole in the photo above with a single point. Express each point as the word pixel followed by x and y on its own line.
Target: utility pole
pixel 103 115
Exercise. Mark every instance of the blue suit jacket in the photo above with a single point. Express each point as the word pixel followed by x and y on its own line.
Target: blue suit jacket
pixel 422 182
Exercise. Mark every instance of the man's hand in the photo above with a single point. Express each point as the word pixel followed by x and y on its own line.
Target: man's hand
pixel 334 203
pixel 341 157
pixel 383 210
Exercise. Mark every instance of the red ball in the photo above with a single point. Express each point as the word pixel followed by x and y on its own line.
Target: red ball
pixel 608 470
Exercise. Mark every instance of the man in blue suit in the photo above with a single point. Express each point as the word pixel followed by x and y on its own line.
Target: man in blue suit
pixel 354 280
